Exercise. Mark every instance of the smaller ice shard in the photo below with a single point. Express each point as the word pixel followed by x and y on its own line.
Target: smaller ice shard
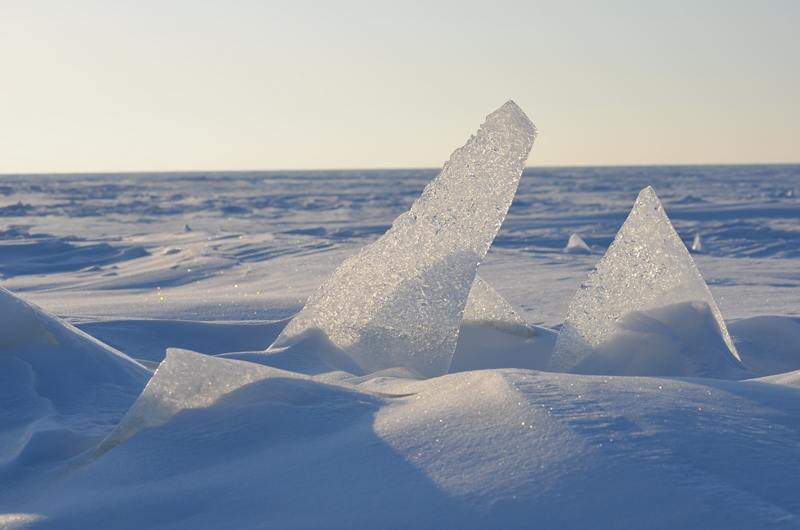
pixel 647 276
pixel 486 308
pixel 576 245
pixel 31 333
pixel 697 244
pixel 399 302
pixel 188 380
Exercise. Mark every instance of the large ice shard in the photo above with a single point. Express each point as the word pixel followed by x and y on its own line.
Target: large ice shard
pixel 399 301
pixel 646 290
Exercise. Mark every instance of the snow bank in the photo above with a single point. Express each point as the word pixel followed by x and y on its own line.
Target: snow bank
pixel 497 448
pixel 768 344
pixel 61 391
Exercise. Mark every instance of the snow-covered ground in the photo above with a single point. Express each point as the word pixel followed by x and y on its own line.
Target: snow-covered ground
pixel 213 265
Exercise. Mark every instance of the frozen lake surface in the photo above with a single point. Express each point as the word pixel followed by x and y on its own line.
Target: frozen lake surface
pixel 213 263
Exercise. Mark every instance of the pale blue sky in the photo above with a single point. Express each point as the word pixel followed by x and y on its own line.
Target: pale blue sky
pixel 89 85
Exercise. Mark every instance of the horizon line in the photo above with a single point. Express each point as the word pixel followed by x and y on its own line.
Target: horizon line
pixel 186 171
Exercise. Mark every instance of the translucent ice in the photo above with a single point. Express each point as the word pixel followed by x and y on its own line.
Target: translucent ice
pixel 399 301
pixel 185 380
pixel 486 308
pixel 646 267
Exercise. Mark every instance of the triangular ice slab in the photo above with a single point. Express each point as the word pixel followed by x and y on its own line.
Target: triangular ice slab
pixel 186 380
pixel 647 267
pixel 399 301
pixel 485 307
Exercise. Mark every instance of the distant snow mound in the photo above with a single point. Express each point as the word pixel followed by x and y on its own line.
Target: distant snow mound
pixel 399 302
pixel 647 273
pixel 697 244
pixel 576 245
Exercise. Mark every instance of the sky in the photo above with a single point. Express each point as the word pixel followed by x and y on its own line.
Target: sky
pixel 178 85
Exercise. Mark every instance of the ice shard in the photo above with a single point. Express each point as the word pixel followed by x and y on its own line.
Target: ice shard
pixel 485 307
pixel 646 271
pixel 399 302
pixel 186 380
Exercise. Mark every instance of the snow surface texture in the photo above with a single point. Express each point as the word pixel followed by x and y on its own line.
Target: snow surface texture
pixel 399 301
pixel 645 309
pixel 62 391
pixel 241 445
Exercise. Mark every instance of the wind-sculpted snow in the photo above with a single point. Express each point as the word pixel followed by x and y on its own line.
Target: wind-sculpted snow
pixel 646 282
pixel 768 345
pixel 483 449
pixel 399 301
pixel 25 255
pixel 61 391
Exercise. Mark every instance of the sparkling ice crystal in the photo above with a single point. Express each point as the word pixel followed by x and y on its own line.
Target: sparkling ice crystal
pixel 645 268
pixel 485 307
pixel 400 300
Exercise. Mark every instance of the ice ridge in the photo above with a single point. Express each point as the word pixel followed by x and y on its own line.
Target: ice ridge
pixel 399 302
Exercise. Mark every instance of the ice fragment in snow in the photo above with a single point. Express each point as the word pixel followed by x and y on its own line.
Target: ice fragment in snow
pixel 576 245
pixel 399 301
pixel 486 308
pixel 185 380
pixel 645 268
pixel 23 324
pixel 697 244
pixel 189 380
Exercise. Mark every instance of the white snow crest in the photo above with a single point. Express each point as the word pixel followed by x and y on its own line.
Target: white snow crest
pixel 20 323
